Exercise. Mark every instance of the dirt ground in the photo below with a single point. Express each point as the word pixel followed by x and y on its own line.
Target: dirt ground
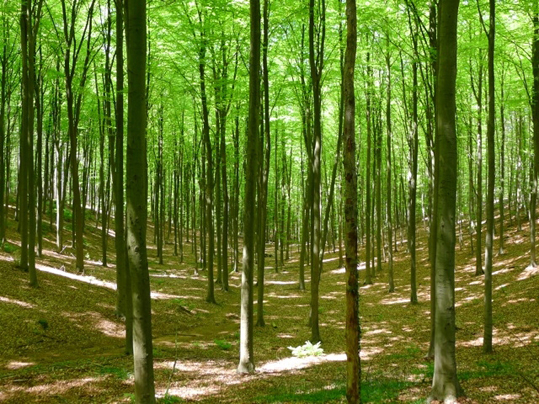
pixel 62 343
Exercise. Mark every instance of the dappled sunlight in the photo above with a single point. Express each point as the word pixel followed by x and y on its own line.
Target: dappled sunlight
pixel 92 280
pixel 502 271
pixel 507 397
pixel 52 388
pixel 191 393
pixel 280 282
pixel 273 294
pixel 110 328
pixel 294 363
pixel 282 335
pixel 14 365
pixel 395 301
pixel 7 258
pixel 17 302
pixel 528 272
pixel 167 275
pixel 378 332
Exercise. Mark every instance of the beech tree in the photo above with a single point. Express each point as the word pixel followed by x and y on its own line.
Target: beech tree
pixel 353 331
pixel 137 179
pixel 445 385
pixel 246 363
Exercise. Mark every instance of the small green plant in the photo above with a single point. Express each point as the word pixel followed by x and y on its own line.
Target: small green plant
pixel 119 373
pixel 183 304
pixel 307 349
pixel 9 248
pixel 224 345
pixel 43 323
pixel 68 216
pixel 130 397
pixel 158 353
pixel 168 399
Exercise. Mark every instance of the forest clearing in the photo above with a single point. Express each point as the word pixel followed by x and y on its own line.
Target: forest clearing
pixel 62 343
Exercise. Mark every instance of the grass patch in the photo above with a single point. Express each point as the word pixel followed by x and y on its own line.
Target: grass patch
pixel 10 248
pixel 224 345
pixel 487 369
pixel 119 373
pixel 168 399
pixel 374 391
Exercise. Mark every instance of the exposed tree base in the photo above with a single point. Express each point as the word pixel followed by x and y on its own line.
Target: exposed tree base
pixel 246 368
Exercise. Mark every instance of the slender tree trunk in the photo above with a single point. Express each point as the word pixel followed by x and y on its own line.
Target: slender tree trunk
pixel 535 118
pixel 501 250
pixel 445 385
pixel 264 166
pixel 479 191
pixel 368 197
pixel 137 178
pixel 489 243
pixel 432 163
pixel 316 65
pixel 246 362
pixel 413 146
pixel 388 177
pixel 124 304
pixel 210 297
pixel 353 330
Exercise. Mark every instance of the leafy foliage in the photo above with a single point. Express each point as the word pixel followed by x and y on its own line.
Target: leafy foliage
pixel 223 344
pixel 308 349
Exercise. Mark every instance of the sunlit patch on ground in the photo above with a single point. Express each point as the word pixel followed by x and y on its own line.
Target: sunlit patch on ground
pixel 507 397
pixel 58 387
pixel 17 302
pixel 528 272
pixel 14 365
pixel 294 363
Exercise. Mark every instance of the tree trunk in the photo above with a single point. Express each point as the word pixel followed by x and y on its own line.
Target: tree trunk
pixel 445 385
pixel 137 178
pixel 388 177
pixel 535 117
pixel 124 304
pixel 353 330
pixel 368 197
pixel 489 243
pixel 246 362
pixel 316 64
pixel 264 166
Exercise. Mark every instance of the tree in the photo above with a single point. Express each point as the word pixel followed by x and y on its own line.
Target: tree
pixel 124 304
pixel 316 63
pixel 264 150
pixel 413 146
pixel 74 103
pixel 535 118
pixel 445 385
pixel 246 364
pixel 136 201
pixel 353 331
pixel 489 242
pixel 30 19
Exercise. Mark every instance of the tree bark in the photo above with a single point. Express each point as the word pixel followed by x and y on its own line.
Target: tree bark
pixel 246 363
pixel 445 385
pixel 489 242
pixel 137 178
pixel 353 330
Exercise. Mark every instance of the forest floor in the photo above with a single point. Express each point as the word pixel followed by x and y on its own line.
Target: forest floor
pixel 61 342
